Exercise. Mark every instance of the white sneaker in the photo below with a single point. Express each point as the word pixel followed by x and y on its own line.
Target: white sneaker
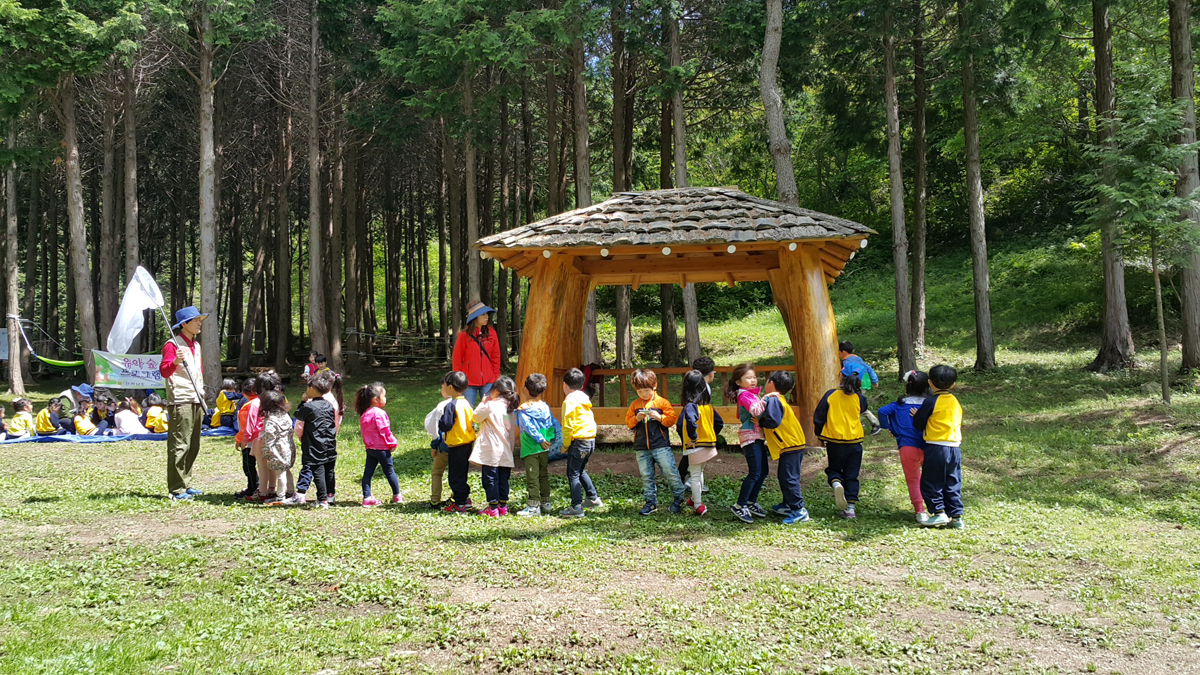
pixel 295 500
pixel 922 518
pixel 547 509
pixel 593 503
pixel 839 495
pixel 528 511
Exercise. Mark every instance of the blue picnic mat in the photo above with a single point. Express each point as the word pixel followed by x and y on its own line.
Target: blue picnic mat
pixel 73 438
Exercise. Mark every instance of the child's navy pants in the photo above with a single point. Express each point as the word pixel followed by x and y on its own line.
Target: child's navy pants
pixel 845 461
pixel 789 478
pixel 941 479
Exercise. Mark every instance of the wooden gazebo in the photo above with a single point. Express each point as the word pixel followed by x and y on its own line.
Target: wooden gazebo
pixel 687 235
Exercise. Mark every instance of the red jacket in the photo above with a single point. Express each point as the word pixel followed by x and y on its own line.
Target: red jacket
pixel 478 356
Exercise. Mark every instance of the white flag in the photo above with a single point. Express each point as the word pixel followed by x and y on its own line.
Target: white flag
pixel 142 294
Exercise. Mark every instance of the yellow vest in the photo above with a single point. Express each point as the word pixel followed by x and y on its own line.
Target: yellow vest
pixel 843 423
pixel 706 437
pixel 156 419
pixel 83 424
pixel 788 436
pixel 463 431
pixel 945 422
pixel 43 423
pixel 21 423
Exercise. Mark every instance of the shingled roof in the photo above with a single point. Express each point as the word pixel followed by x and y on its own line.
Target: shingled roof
pixel 677 217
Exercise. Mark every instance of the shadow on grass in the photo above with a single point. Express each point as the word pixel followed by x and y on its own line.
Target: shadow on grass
pixel 115 496
pixel 41 500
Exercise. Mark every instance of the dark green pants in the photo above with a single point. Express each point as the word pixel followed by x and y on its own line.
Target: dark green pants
pixel 537 478
pixel 183 444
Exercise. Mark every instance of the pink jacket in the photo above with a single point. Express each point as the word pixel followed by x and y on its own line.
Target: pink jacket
pixel 377 430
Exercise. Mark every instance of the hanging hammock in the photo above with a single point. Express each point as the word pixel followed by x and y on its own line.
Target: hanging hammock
pixel 53 365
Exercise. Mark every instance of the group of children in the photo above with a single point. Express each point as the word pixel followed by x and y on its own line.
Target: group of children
pixel 101 416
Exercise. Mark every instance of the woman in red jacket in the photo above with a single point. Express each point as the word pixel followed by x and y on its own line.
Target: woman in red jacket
pixel 477 352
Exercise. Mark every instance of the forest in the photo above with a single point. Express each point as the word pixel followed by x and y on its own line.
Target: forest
pixel 315 173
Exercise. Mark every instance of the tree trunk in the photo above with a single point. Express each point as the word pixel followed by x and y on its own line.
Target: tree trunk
pixel 473 280
pixel 617 28
pixel 109 242
pixel 454 231
pixel 257 283
pixel 33 240
pixel 921 93
pixel 666 154
pixel 906 350
pixel 1184 90
pixel 444 322
pixel 335 255
pixel 985 350
pixel 552 184
pixel 80 273
pixel 1163 348
pixel 353 308
pixel 52 282
pixel 210 344
pixel 283 246
pixel 691 314
pixel 16 383
pixel 583 188
pixel 670 337
pixel 501 304
pixel 132 236
pixel 316 298
pixel 781 147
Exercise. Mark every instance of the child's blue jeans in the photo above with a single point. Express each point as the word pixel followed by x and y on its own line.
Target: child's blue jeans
pixel 577 458
pixel 379 458
pixel 757 468
pixel 664 459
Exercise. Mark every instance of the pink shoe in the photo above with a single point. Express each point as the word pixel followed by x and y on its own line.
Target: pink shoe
pixel 490 512
pixel 397 499
pixel 371 501
pixel 503 511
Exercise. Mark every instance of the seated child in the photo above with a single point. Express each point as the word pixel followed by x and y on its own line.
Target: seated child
pixel 579 440
pixel 105 411
pixel 897 418
pixel 83 420
pixel 438 451
pixel 228 402
pixel 48 422
pixel 651 418
pixel 838 422
pixel 21 424
pixel 538 431
pixel 940 420
pixel 458 426
pixel 785 442
pixel 127 422
pixel 154 417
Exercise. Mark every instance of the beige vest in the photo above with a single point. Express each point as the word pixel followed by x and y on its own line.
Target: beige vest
pixel 180 388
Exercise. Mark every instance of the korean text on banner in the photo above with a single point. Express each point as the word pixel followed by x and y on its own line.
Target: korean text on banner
pixel 128 371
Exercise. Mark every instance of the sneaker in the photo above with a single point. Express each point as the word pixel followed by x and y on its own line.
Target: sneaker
pixel 848 512
pixel 676 506
pixel 277 500
pixel 438 506
pixel 295 500
pixel 321 505
pixel 530 511
pixel 922 518
pixel 547 508
pixel 794 517
pixel 371 501
pixel 454 508
pixel 756 510
pixel 257 498
pixel 572 512
pixel 469 506
pixel 937 520
pixel 781 510
pixel 179 497
pixel 194 492
pixel 690 503
pixel 701 510
pixel 704 488
pixel 242 494
pixel 839 495
pixel 593 503
pixel 330 499
pixel 490 512
pixel 502 511
pixel 742 513
pixel 649 508
pixel 956 523
pixel 875 430
pixel 397 499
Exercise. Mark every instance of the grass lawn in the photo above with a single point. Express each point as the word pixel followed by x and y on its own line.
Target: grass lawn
pixel 1081 552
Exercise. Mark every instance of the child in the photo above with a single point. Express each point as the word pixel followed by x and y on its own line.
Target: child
pixel 249 461
pixel 276 446
pixel 708 369
pixel 698 428
pixel 651 418
pixel 155 417
pixel 127 420
pixel 785 441
pixel 228 402
pixel 378 440
pixel 310 368
pixel 579 440
pixel 21 424
pixel 316 425
pixel 940 418
pixel 538 433
pixel 898 418
pixel 105 411
pixel 866 374
pixel 267 381
pixel 322 363
pixel 83 420
pixel 837 421
pixel 457 425
pixel 438 451
pixel 494 448
pixel 48 423
pixel 742 387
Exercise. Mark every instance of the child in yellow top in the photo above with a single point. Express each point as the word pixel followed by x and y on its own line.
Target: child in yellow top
pixel 83 420
pixel 155 417
pixel 457 426
pixel 22 423
pixel 699 427
pixel 579 440
pixel 838 423
pixel 785 441
pixel 47 422
pixel 940 418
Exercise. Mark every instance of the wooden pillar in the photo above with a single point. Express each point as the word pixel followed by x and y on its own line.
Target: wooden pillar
pixel 543 319
pixel 802 297
pixel 570 341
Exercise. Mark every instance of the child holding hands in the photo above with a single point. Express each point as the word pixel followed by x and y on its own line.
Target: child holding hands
pixel 898 419
pixel 940 420
pixel 743 388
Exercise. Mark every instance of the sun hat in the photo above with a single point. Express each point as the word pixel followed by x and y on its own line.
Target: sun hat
pixel 187 314
pixel 84 390
pixel 475 309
